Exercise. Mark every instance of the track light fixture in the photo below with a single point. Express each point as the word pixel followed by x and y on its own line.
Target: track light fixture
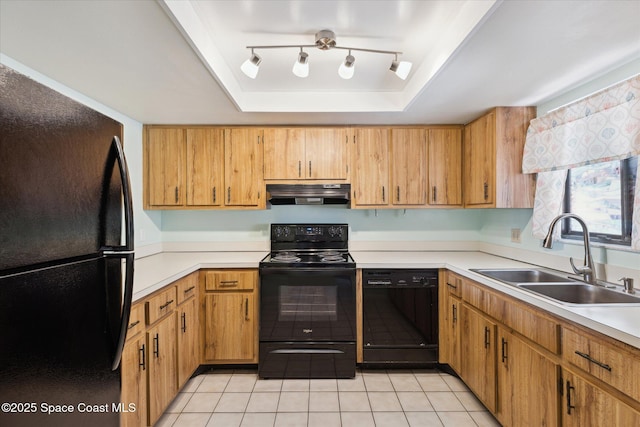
pixel 325 40
pixel 252 65
pixel 301 66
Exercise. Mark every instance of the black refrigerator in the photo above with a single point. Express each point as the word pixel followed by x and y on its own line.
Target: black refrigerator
pixel 66 258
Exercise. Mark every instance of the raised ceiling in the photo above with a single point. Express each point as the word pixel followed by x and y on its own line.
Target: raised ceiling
pixel 178 61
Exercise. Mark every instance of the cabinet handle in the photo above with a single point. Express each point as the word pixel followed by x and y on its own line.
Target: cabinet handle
pixel 309 168
pixel 142 358
pixel 383 193
pixel 504 350
pixel 452 286
pixel 166 304
pixel 246 309
pixel 592 360
pixel 131 325
pixel 454 311
pixel 398 194
pixel 486 191
pixel 487 337
pixel 156 346
pixel 184 322
pixel 186 291
pixel 228 194
pixel 299 168
pixel 176 193
pixel 228 283
pixel 433 195
pixel 214 194
pixel 569 405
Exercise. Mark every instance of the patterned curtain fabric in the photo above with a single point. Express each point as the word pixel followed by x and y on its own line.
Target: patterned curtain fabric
pixel 602 127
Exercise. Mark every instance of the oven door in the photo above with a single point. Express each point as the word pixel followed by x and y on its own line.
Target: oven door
pixel 300 304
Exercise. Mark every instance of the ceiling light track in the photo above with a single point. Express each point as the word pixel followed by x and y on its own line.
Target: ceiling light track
pixel 325 40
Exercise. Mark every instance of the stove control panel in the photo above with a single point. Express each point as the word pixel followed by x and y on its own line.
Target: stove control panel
pixel 309 232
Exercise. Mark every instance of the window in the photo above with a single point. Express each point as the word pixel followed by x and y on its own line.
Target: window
pixel 602 194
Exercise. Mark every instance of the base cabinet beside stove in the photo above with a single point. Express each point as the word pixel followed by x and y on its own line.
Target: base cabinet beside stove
pixel 230 326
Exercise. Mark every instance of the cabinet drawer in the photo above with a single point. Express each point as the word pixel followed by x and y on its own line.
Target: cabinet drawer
pixel 454 284
pixel 539 329
pixel 187 287
pixel 161 304
pixel 230 280
pixel 614 363
pixel 136 321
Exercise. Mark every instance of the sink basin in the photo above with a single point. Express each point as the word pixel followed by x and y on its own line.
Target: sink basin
pixel 524 275
pixel 580 293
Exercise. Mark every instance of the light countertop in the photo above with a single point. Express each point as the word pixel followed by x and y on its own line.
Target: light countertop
pixel 621 322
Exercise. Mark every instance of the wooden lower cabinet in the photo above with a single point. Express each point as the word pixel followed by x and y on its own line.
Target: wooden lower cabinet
pixel 230 328
pixel 585 404
pixel 162 379
pixel 188 339
pixel 230 316
pixel 478 349
pixel 134 382
pixel 527 384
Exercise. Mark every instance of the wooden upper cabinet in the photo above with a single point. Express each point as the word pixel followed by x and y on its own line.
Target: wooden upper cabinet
pixel 305 153
pixel 326 153
pixel 493 147
pixel 408 167
pixel 165 154
pixel 370 154
pixel 205 163
pixel 445 166
pixel 243 167
pixel 284 153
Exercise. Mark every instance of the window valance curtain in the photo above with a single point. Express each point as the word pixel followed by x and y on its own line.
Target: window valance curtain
pixel 602 127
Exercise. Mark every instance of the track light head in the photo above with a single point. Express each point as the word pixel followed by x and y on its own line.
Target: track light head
pixel 301 66
pixel 251 66
pixel 347 68
pixel 401 69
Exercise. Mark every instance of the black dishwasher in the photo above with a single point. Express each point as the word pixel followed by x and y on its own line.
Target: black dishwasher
pixel 400 317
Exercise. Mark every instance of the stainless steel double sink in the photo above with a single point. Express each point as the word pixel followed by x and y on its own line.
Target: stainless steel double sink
pixel 560 288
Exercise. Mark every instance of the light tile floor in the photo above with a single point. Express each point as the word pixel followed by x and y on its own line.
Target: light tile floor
pixel 238 398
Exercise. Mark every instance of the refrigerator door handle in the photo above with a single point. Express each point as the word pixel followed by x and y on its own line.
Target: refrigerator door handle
pixel 126 309
pixel 128 204
pixel 124 251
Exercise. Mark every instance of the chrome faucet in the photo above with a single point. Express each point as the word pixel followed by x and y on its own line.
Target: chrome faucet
pixel 587 271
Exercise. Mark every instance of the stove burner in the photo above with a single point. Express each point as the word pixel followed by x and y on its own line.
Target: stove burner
pixel 332 258
pixel 286 257
pixel 329 253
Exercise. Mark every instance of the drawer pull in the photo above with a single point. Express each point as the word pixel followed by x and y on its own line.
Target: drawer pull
pixel 592 360
pixel 165 305
pixel 133 324
pixel 452 286
pixel 189 289
pixel 228 283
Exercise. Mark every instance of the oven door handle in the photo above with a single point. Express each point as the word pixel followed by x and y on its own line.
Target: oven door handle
pixel 306 351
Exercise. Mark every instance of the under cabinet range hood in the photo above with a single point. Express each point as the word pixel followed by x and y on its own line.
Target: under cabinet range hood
pixel 309 194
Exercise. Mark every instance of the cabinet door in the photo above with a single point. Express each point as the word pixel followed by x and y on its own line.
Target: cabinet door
pixel 229 326
pixel 450 337
pixel 134 383
pixel 478 347
pixel 243 167
pixel 326 153
pixel 528 392
pixel 205 161
pixel 445 167
pixel 165 174
pixel 408 167
pixel 284 153
pixel 479 161
pixel 161 342
pixel 585 404
pixel 188 352
pixel 371 167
